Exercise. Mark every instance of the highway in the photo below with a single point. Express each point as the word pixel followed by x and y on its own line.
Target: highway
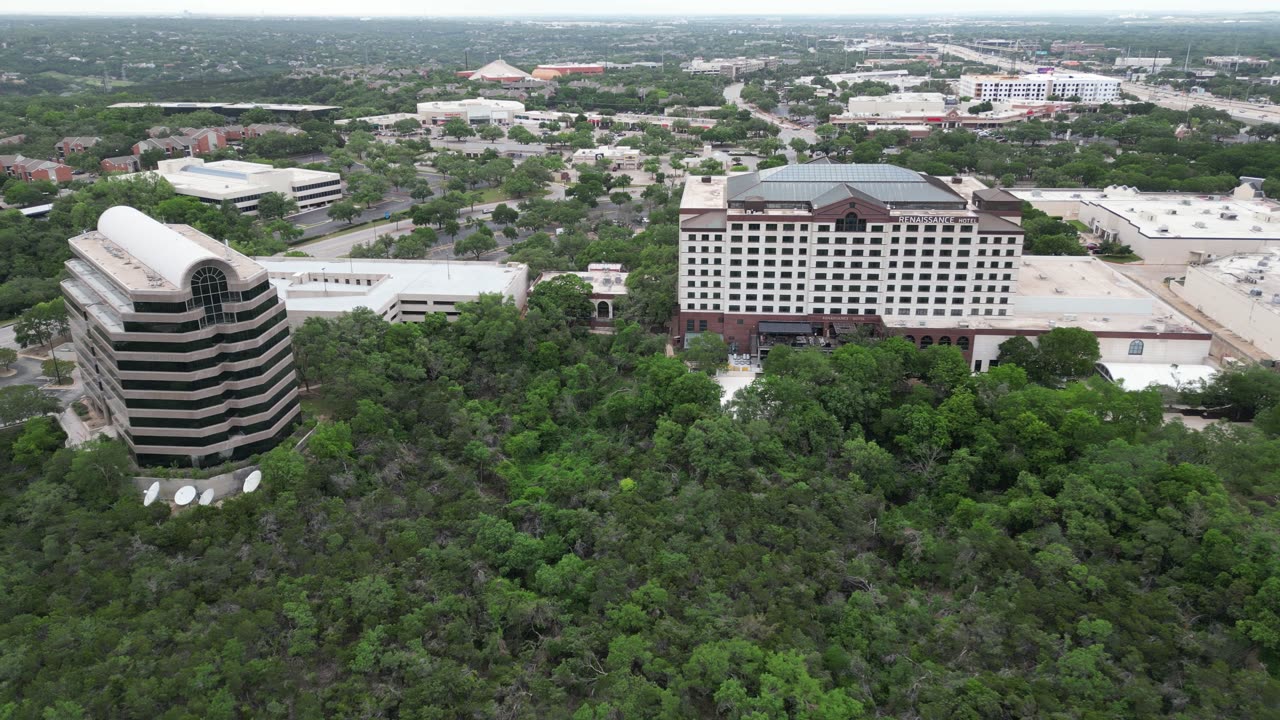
pixel 1250 113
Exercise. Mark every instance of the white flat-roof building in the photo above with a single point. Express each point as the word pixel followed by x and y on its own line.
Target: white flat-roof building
pixel 1149 63
pixel 729 67
pixel 1088 87
pixel 1241 292
pixel 474 110
pixel 619 157
pixel 396 290
pixel 608 284
pixel 898 104
pixel 1131 324
pixel 243 183
pixel 900 79
pixel 1169 228
pixel 381 121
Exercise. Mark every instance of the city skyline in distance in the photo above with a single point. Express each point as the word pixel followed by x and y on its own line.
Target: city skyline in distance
pixel 567 9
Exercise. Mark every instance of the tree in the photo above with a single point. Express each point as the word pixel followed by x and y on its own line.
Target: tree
pixel 521 135
pixel 405 126
pixel 1064 353
pixel 707 352
pixel 620 198
pixel 415 244
pixel 344 210
pixel 58 370
pixel 19 402
pixel 275 206
pixel 492 133
pixel 505 215
pixel 41 324
pixel 476 244
pixel 8 356
pixel 457 128
pixel 420 190
pixel 41 436
pixel 564 297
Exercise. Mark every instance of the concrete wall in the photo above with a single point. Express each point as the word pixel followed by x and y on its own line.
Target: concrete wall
pixel 1166 349
pixel 1253 318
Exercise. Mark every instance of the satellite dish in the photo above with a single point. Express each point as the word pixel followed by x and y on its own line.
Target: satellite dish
pixel 206 497
pixel 152 493
pixel 251 483
pixel 185 495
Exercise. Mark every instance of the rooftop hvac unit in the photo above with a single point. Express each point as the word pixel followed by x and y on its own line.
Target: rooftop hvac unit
pixel 1228 216
pixel 1058 291
pixel 1148 327
pixel 1185 201
pixel 1255 292
pixel 1069 317
pixel 1256 228
pixel 1163 229
pixel 1075 195
pixel 963 324
pixel 1275 299
pixel 1043 276
pixel 1172 211
pixel 1199 224
pixel 1103 195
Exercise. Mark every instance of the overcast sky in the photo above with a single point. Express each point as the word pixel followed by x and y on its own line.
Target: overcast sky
pixel 568 8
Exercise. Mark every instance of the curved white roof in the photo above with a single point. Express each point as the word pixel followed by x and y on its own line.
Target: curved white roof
pixel 469 104
pixel 150 242
pixel 1139 376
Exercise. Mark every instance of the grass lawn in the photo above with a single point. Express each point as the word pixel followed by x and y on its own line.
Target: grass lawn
pixel 1079 226
pixel 497 194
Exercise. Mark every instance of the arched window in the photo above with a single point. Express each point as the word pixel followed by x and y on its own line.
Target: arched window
pixel 602 310
pixel 1135 347
pixel 962 343
pixel 910 338
pixel 944 340
pixel 926 341
pixel 209 291
pixel 851 223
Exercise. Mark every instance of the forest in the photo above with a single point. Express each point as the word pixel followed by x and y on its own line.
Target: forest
pixel 510 516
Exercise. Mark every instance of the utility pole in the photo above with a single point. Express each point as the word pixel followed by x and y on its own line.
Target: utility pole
pixel 1186 64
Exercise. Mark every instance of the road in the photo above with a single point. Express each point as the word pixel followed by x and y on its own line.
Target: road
pixel 1251 113
pixel 787 129
pixel 340 245
pixel 315 223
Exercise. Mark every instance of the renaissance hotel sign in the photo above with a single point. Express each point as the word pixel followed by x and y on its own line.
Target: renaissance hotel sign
pixel 931 219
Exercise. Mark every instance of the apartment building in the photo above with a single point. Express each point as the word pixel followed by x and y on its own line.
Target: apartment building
pixel 181 342
pixel 842 244
pixel 190 143
pixel 32 169
pixel 1088 87
pixel 68 146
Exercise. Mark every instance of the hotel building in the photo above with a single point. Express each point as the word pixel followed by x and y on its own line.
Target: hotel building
pixel 181 342
pixel 845 244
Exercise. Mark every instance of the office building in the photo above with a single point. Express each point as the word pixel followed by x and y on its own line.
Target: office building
pixel 898 104
pixel 476 111
pixel 1235 61
pixel 1089 88
pixel 821 244
pixel 179 340
pixel 396 290
pixel 1169 228
pixel 242 183
pixel 1154 64
pixel 731 68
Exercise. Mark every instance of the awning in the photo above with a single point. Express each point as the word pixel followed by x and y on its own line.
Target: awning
pixel 784 328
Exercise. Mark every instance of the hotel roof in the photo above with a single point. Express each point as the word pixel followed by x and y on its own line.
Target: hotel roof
pixel 822 184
